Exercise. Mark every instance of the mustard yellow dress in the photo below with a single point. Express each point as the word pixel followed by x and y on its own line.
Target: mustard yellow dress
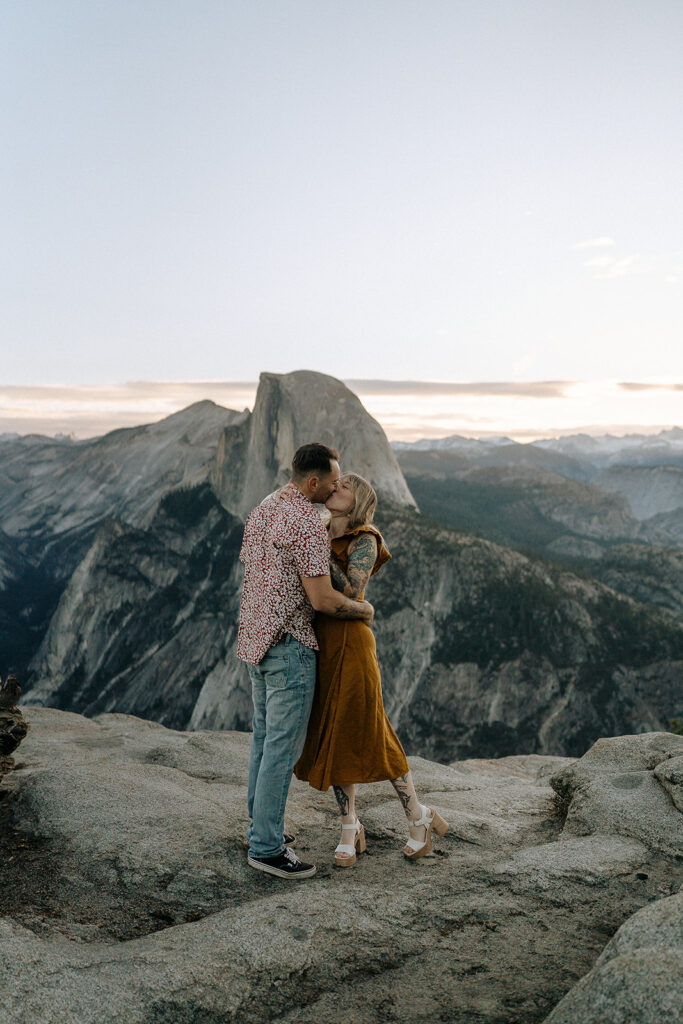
pixel 349 736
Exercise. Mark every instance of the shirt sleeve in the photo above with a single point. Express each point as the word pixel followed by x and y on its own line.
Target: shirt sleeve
pixel 245 540
pixel 310 547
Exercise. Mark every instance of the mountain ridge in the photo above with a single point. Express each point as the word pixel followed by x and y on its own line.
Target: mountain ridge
pixel 482 648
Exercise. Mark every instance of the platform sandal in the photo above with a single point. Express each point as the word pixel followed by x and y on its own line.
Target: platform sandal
pixel 345 854
pixel 431 819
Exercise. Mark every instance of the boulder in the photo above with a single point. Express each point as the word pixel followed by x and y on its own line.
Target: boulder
pixel 615 789
pixel 639 975
pixel 670 774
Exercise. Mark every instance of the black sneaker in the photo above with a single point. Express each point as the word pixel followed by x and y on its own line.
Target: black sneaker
pixel 285 865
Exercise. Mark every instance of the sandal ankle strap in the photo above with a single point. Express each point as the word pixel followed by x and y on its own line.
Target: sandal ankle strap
pixel 426 818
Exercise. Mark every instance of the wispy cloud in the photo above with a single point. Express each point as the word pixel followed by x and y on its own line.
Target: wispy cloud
pixel 610 266
pixel 518 389
pixel 632 385
pixel 91 410
pixel 599 261
pixel 406 409
pixel 667 265
pixel 595 243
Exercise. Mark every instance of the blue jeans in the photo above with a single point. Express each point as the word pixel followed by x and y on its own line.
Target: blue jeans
pixel 282 686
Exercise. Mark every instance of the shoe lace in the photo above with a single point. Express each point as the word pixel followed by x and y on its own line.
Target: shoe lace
pixel 291 856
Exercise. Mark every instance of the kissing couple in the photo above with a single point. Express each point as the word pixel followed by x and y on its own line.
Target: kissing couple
pixel 319 716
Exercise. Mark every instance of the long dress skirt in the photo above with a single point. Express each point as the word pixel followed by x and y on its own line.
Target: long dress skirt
pixel 349 736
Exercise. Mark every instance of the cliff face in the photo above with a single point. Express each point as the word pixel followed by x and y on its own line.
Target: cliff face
pixel 649 490
pixel 148 615
pixel 524 505
pixel 55 495
pixel 482 650
pixel 51 488
pixel 592 528
pixel 290 410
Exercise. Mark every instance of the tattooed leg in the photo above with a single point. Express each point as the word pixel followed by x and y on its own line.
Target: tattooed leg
pixel 346 801
pixel 345 797
pixel 412 808
pixel 405 791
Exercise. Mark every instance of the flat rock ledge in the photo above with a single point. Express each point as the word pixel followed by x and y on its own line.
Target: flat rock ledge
pixel 125 895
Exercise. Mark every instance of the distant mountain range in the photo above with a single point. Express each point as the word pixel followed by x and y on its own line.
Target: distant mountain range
pixel 610 506
pixel 662 449
pixel 119 578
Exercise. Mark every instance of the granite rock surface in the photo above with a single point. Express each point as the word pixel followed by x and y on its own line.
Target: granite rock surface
pixel 125 895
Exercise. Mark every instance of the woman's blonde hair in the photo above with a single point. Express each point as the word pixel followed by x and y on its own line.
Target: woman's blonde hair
pixel 363 509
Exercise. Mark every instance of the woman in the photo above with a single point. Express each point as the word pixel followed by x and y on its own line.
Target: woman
pixel 350 739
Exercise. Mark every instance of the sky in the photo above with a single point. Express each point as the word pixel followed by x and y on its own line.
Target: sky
pixel 460 191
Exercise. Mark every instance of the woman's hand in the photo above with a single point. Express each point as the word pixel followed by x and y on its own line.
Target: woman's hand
pixel 284 494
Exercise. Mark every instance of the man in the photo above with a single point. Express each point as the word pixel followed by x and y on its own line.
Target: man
pixel 286 556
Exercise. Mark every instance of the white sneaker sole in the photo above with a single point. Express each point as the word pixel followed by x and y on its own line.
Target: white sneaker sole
pixel 270 870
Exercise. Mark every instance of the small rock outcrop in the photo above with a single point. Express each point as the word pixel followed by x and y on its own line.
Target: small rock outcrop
pixel 623 786
pixel 637 977
pixel 13 727
pixel 146 910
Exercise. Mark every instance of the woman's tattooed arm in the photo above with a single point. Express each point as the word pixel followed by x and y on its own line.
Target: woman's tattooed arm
pixel 362 556
pixel 340 581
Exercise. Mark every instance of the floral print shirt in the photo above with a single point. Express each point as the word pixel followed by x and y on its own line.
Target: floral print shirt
pixel 283 541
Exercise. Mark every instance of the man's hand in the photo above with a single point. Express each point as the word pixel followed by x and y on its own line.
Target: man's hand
pixel 329 601
pixel 369 617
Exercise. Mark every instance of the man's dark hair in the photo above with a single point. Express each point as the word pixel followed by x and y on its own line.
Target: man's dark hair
pixel 313 458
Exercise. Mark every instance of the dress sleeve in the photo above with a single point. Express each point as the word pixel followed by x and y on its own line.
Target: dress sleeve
pixel 310 546
pixel 383 552
pixel 383 555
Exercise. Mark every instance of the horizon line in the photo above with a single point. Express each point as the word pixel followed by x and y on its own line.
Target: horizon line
pixel 406 410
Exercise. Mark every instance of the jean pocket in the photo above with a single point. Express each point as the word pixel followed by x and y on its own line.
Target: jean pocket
pixel 306 654
pixel 276 673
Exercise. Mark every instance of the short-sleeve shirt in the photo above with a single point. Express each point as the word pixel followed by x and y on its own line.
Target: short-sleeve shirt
pixel 283 541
